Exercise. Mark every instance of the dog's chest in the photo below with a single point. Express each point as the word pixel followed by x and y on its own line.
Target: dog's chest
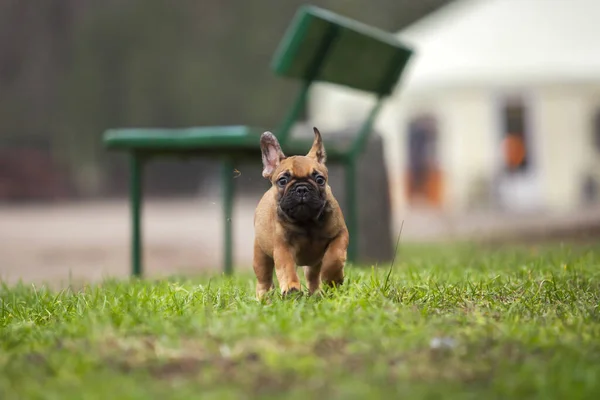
pixel 308 247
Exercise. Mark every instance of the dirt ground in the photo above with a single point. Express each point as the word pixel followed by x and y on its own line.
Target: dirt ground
pixel 79 242
pixel 85 242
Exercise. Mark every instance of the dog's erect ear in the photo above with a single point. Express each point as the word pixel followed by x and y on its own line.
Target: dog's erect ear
pixel 271 153
pixel 317 151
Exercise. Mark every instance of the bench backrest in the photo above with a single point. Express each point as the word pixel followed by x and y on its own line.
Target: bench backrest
pixel 320 45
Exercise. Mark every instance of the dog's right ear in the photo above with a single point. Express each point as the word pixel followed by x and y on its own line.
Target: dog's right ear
pixel 271 153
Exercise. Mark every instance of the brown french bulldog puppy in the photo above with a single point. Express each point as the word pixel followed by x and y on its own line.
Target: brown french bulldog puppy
pixel 298 221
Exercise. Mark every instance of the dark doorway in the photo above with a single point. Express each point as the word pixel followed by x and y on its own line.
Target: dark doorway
pixel 515 146
pixel 424 180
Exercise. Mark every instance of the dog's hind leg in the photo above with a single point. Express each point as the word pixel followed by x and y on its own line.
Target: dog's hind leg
pixel 313 278
pixel 263 268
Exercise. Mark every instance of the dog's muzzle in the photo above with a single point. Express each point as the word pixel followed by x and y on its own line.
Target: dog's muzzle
pixel 302 203
pixel 301 191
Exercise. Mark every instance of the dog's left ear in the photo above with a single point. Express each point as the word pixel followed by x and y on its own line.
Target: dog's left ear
pixel 317 151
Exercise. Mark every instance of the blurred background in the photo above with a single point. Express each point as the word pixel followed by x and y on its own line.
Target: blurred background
pixel 494 131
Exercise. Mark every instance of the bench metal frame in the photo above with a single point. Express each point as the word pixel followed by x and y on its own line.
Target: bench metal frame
pixel 285 63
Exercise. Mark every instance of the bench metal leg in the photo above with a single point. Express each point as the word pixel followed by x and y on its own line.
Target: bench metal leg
pixel 227 187
pixel 136 197
pixel 351 206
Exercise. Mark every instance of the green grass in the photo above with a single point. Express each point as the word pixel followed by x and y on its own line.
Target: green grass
pixel 519 323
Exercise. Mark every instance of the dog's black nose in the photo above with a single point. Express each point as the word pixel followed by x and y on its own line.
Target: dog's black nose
pixel 301 190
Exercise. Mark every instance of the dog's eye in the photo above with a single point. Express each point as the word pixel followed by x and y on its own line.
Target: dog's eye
pixel 282 181
pixel 320 180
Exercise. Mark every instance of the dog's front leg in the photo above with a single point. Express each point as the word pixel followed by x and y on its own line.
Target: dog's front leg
pixel 285 269
pixel 334 260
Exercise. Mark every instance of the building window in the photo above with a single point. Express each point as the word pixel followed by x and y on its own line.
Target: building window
pixel 590 190
pixel 596 132
pixel 515 146
pixel 591 183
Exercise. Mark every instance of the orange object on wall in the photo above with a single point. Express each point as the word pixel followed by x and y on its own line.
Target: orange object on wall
pixel 431 192
pixel 514 150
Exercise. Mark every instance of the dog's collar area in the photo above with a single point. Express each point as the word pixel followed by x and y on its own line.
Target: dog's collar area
pixel 318 217
pixel 284 214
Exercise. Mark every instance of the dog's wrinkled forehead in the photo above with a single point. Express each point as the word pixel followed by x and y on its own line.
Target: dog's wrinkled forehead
pixel 301 167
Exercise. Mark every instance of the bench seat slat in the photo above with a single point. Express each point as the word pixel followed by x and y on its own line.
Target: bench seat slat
pixel 193 137
pixel 205 139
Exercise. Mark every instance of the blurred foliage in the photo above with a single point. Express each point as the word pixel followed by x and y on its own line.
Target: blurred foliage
pixel 69 69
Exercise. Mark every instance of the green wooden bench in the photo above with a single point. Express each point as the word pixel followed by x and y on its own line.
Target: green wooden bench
pixel 318 46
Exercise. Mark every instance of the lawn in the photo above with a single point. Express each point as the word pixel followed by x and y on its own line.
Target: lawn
pixel 445 322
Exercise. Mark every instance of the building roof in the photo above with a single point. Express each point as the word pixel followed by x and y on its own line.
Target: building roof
pixel 505 42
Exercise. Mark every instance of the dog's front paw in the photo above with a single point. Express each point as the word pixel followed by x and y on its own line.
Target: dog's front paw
pixel 292 290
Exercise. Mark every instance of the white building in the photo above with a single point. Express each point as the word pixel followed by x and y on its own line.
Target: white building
pixel 483 69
